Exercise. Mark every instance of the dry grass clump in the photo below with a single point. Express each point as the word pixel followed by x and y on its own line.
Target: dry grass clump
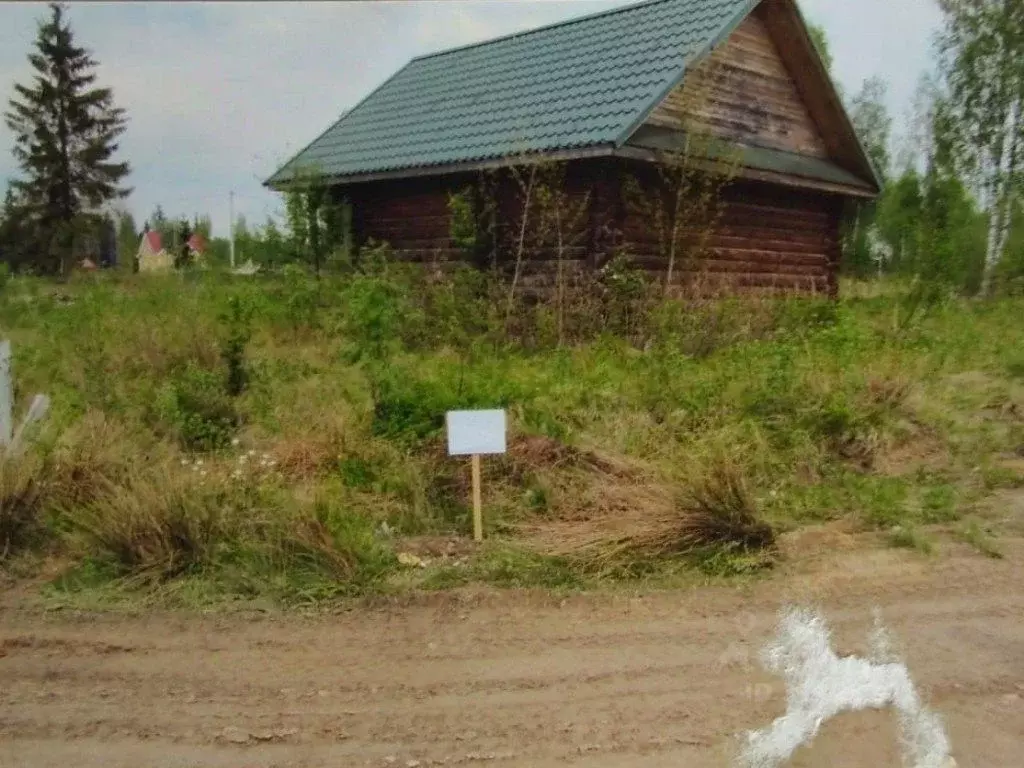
pixel 889 391
pixel 156 525
pixel 21 497
pixel 645 520
pixel 161 522
pixel 66 475
pixel 315 431
pixel 302 458
pixel 93 453
pixel 536 454
pixel 721 512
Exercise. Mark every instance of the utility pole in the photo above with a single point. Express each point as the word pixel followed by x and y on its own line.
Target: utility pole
pixel 231 214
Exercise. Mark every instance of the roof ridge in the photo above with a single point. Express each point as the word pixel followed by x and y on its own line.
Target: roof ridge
pixel 545 28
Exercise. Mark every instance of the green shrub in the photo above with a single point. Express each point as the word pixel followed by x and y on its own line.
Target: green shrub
pixel 459 309
pixel 300 297
pixel 623 289
pixel 357 473
pixel 237 319
pixel 410 404
pixel 198 410
pixel 375 315
pixel 463 228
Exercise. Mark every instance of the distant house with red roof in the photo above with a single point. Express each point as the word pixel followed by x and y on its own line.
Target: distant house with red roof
pixel 152 256
pixel 197 246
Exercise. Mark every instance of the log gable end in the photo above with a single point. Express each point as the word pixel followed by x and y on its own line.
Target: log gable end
pixel 752 99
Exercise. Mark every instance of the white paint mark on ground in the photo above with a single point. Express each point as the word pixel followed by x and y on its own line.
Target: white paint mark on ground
pixel 821 685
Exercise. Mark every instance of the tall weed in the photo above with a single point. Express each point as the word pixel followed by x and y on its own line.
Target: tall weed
pixel 22 489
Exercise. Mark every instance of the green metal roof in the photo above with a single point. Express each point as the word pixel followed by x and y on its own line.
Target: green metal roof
pixel 587 82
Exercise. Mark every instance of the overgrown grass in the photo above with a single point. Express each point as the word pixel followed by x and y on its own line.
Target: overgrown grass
pixel 908 537
pixel 20 504
pixel 974 533
pixel 284 436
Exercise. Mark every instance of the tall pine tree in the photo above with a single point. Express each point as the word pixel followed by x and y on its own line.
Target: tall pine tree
pixel 66 133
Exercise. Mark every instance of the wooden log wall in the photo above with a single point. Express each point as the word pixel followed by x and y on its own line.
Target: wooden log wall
pixel 411 215
pixel 764 237
pixel 767 237
pixel 750 96
pixel 414 218
pixel 560 197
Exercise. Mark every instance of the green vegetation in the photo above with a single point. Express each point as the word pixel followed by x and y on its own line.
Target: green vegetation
pixel 282 437
pixel 975 533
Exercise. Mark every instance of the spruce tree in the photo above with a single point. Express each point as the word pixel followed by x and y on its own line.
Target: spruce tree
pixel 183 256
pixel 127 239
pixel 66 133
pixel 10 251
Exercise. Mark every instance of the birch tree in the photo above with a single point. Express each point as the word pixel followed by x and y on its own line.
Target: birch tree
pixel 873 124
pixel 683 203
pixel 982 48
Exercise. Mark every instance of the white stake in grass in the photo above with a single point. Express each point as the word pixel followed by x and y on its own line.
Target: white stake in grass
pixel 821 685
pixel 11 440
pixel 6 396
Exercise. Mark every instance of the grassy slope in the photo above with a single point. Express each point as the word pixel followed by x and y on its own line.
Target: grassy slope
pixel 152 473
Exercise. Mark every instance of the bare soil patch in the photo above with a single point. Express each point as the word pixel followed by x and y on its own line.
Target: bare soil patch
pixel 486 677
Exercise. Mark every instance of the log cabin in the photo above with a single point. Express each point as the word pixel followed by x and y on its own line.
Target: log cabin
pixel 596 108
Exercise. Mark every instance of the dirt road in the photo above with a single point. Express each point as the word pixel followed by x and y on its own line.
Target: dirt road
pixel 513 679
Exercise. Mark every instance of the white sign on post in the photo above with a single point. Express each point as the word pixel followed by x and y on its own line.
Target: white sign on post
pixel 476 434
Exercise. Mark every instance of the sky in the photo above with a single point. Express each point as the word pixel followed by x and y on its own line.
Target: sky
pixel 218 95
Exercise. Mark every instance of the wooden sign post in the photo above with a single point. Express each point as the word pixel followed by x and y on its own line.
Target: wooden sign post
pixel 476 434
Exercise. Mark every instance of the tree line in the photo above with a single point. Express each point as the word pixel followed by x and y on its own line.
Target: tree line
pixel 950 211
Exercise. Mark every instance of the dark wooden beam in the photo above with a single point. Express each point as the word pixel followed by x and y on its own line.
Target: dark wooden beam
pixel 467 167
pixel 754 174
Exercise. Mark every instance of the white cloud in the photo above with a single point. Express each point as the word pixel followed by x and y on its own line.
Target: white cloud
pixel 219 94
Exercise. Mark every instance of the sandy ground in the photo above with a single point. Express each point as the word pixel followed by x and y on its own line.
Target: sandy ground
pixel 513 678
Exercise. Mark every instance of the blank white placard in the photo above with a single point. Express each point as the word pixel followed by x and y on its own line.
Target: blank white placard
pixel 476 433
